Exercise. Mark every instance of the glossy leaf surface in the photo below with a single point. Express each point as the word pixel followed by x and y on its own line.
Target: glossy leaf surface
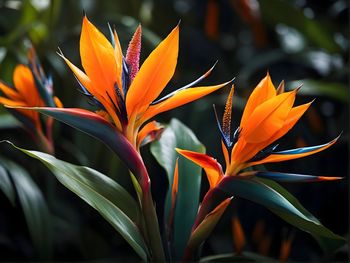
pixel 178 135
pixel 100 192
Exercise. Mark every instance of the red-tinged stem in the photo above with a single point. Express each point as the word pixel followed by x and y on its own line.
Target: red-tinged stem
pixel 211 199
pixel 49 124
pixel 44 144
pixel 148 209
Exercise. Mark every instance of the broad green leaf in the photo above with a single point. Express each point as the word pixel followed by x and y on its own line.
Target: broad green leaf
pixel 102 193
pixel 5 184
pixel 34 207
pixel 318 88
pixel 271 195
pixel 7 121
pixel 178 135
pixel 326 238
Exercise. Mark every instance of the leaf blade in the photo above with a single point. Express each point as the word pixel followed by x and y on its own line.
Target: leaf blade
pixel 90 190
pixel 278 200
pixel 34 207
pixel 189 181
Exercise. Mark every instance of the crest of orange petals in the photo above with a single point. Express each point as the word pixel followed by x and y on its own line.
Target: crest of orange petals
pixel 126 92
pixel 269 114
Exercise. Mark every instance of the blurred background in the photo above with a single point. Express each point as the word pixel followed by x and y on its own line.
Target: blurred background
pixel 299 41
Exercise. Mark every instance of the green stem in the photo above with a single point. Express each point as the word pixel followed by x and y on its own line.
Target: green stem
pixel 132 158
pixel 149 212
pixel 152 225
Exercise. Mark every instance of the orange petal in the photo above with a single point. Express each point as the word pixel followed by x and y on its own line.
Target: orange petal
pixel 225 153
pixel 175 187
pixel 264 91
pixel 211 167
pixel 118 55
pixel 82 77
pixel 58 102
pixel 180 98
pixel 151 129
pixel 292 118
pixel 268 118
pixel 100 94
pixel 286 246
pixel 9 92
pixel 237 235
pixel 258 231
pixel 250 149
pixel 154 74
pixel 174 190
pixel 32 115
pixel 285 157
pixel 24 82
pixel 98 59
pixel 9 102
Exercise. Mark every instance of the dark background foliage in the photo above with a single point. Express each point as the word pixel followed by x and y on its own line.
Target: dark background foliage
pixel 300 41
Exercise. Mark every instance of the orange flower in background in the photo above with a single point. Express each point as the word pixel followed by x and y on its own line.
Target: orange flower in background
pixel 24 94
pixel 31 88
pixel 126 95
pixel 269 114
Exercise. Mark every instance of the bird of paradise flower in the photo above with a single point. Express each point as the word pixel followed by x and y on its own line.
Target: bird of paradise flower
pixel 124 94
pixel 268 115
pixel 32 88
pixel 126 97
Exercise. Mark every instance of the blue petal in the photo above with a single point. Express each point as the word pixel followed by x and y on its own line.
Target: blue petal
pixel 185 87
pixel 290 177
pixel 305 149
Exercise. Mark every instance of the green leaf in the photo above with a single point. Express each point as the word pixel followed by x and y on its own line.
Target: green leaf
pixel 6 185
pixel 326 238
pixel 178 135
pixel 102 193
pixel 231 257
pixel 317 88
pixel 202 232
pixel 34 207
pixel 7 121
pixel 279 11
pixel 277 199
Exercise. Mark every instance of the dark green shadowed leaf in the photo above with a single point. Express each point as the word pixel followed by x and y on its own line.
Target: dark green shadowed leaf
pixel 282 203
pixel 5 184
pixel 102 193
pixel 7 121
pixel 284 12
pixel 34 208
pixel 317 88
pixel 178 135
pixel 325 237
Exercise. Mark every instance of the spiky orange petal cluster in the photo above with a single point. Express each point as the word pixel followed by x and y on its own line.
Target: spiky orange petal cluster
pixel 269 114
pixel 120 88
